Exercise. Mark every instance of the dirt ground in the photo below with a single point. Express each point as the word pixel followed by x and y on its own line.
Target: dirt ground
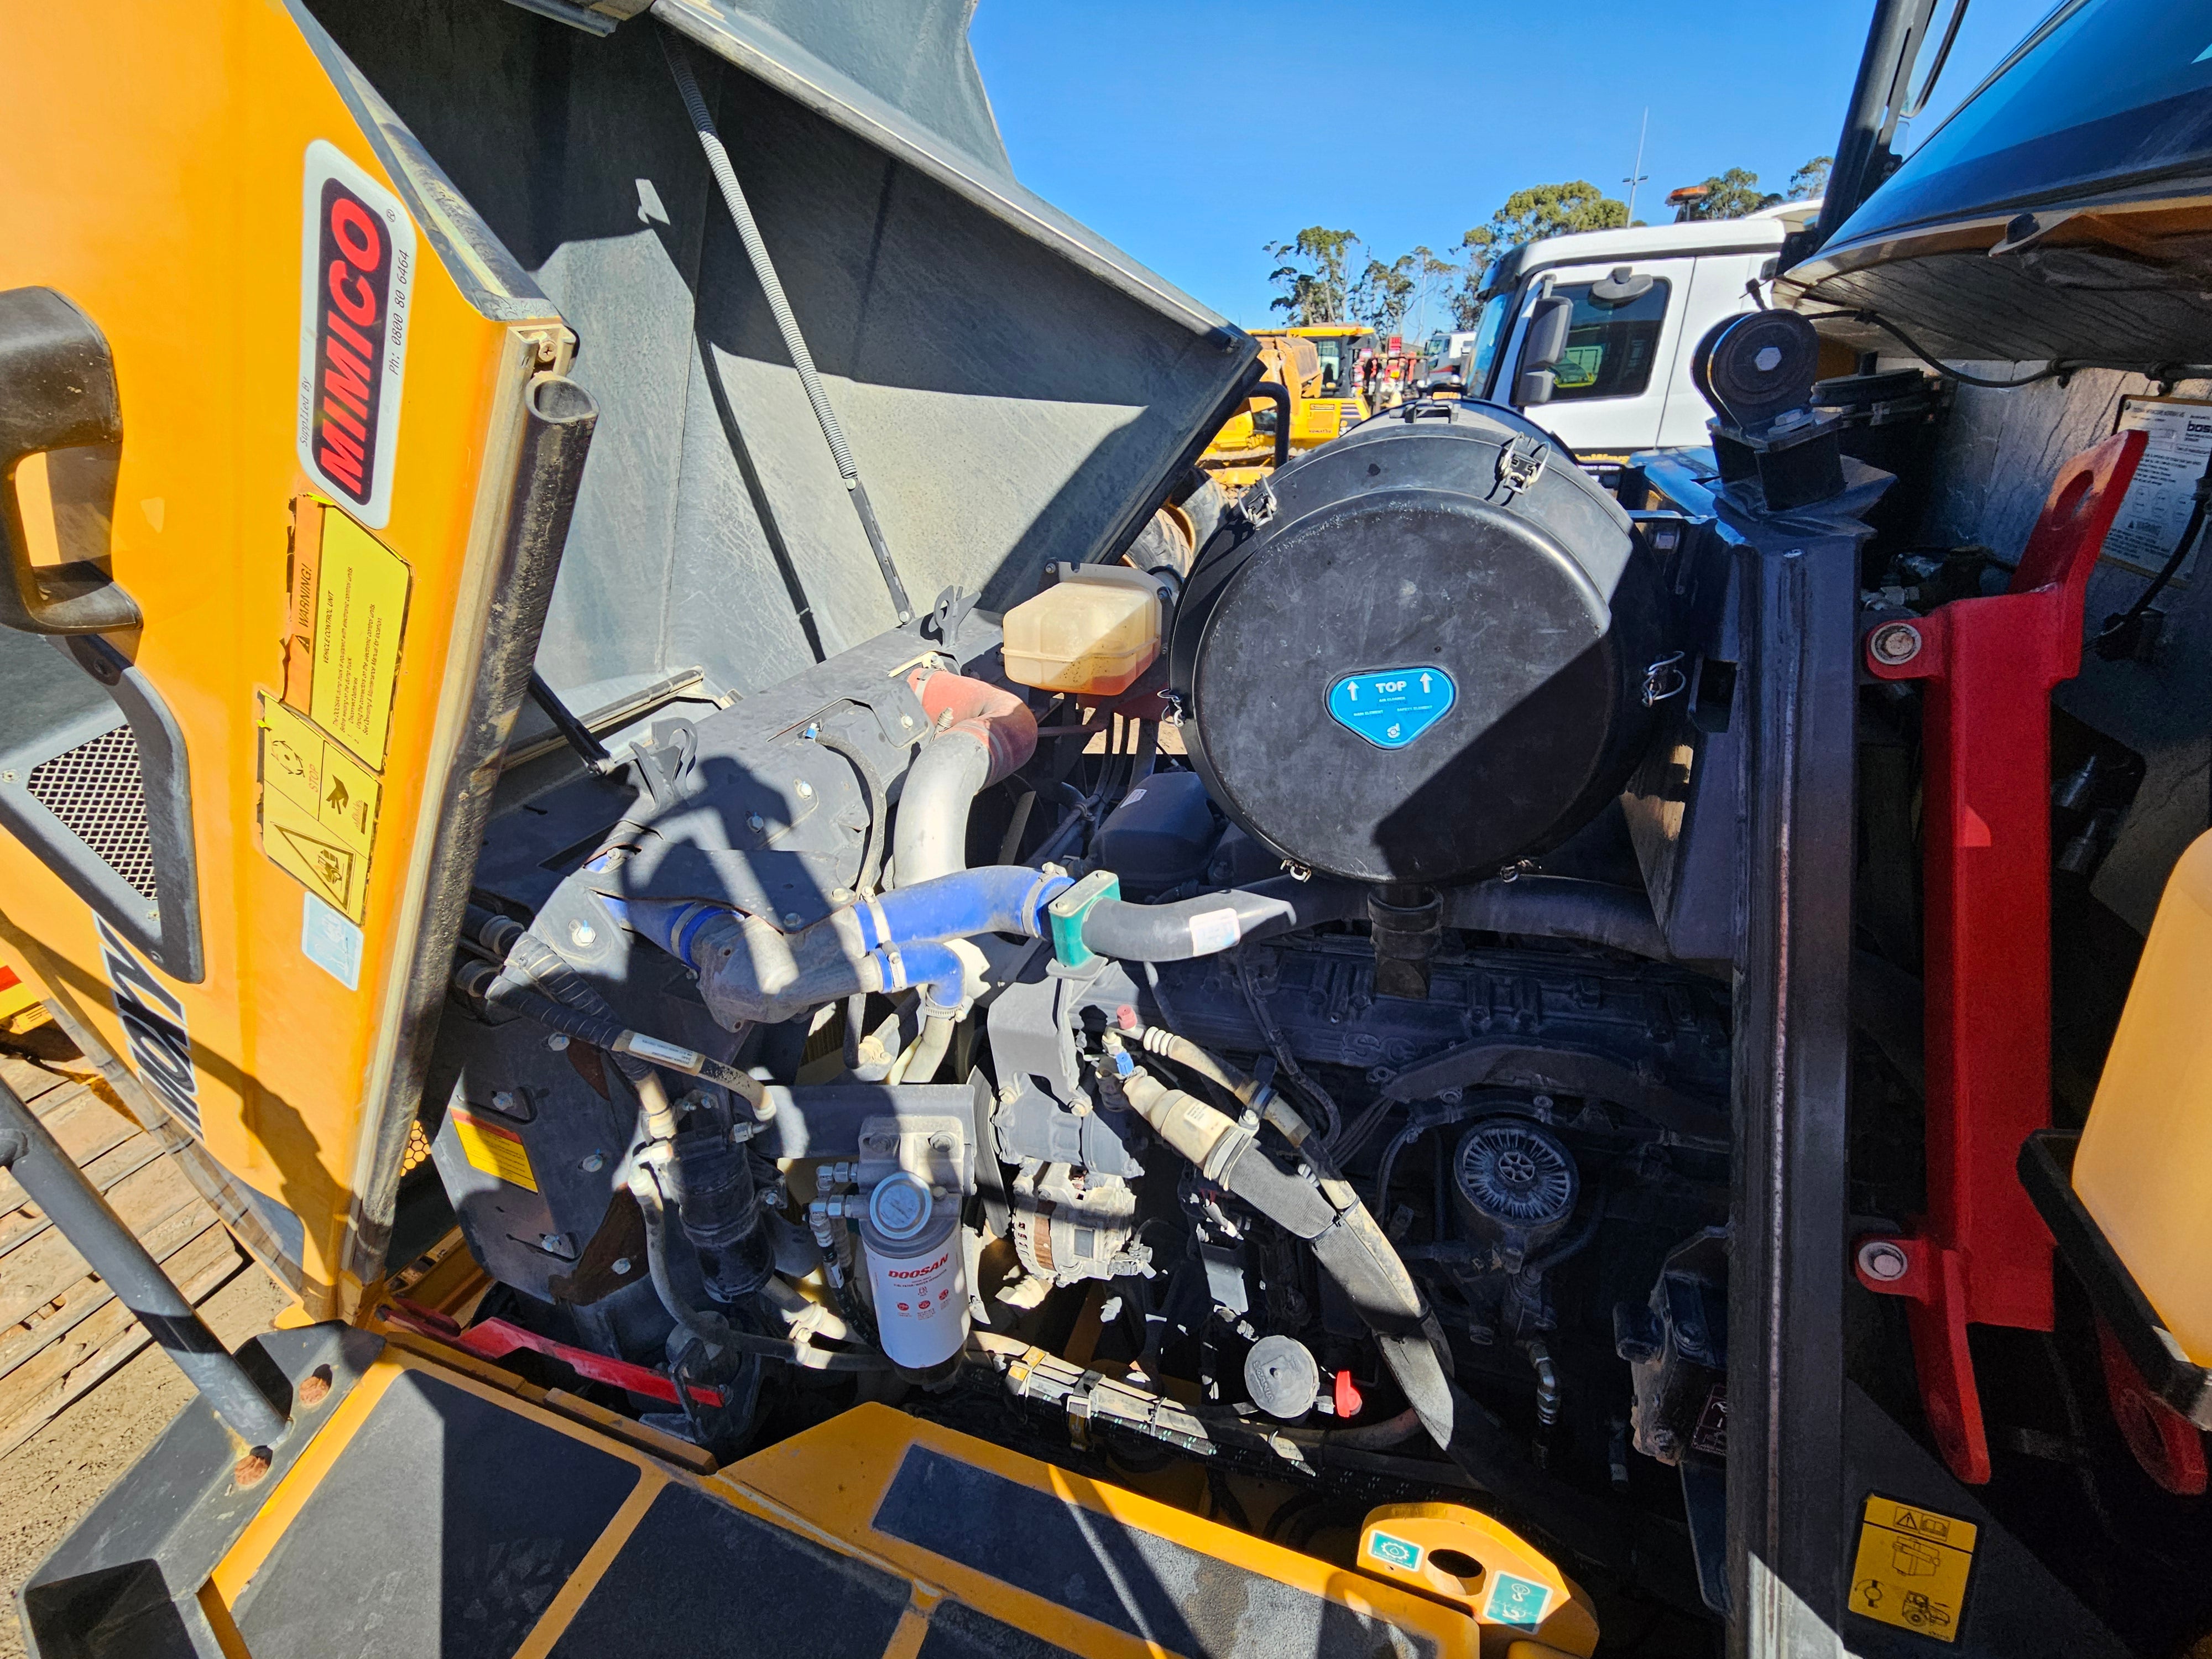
pixel 49 1482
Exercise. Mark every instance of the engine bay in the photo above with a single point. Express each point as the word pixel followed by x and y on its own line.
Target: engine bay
pixel 1185 1079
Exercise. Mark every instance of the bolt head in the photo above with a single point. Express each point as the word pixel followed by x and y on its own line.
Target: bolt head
pixel 791 918
pixel 1895 642
pixel 803 790
pixel 504 1100
pixel 621 1266
pixel 557 1041
pixel 594 1164
pixel 1882 1261
pixel 756 822
pixel 583 934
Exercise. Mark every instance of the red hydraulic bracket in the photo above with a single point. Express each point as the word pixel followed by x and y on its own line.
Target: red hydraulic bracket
pixel 495 1339
pixel 1981 1254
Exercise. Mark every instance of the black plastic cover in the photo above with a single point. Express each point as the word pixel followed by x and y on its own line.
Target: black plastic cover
pixel 1457 542
pixel 1161 835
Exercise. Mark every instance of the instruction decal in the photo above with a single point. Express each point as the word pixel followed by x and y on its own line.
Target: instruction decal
pixel 318 808
pixel 2155 510
pixel 360 619
pixel 498 1152
pixel 357 272
pixel 1391 707
pixel 329 941
pixel 1401 1552
pixel 1517 1601
pixel 160 1047
pixel 1912 1567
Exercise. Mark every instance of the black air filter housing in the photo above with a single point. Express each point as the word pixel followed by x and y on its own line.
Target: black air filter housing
pixel 1429 658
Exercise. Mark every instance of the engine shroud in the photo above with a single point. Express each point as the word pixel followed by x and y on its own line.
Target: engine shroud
pixel 1487 600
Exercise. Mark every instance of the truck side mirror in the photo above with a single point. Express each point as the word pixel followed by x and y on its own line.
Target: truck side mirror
pixel 1544 344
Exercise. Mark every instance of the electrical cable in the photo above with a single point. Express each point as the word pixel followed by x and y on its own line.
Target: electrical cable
pixel 1917 349
pixel 2122 630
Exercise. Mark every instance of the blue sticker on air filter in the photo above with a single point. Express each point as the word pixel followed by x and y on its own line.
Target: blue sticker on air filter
pixel 1391 707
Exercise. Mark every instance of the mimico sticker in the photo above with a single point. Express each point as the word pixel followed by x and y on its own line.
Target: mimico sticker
pixel 357 272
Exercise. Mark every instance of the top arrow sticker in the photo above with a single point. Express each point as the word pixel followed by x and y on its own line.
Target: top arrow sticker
pixel 1392 706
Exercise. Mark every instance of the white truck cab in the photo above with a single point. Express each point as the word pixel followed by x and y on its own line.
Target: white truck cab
pixel 1616 377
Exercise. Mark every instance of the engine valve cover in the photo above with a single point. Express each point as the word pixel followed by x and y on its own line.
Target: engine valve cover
pixel 1428 657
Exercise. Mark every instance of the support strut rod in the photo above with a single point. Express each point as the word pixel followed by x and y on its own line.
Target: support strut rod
pixel 794 343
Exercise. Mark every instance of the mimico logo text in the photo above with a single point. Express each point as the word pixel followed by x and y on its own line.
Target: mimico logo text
pixel 357 260
pixel 357 266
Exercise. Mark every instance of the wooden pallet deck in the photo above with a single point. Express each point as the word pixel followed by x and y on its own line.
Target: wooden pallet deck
pixel 61 1329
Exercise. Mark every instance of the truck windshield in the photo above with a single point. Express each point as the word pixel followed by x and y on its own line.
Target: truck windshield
pixel 1610 349
pixel 1489 329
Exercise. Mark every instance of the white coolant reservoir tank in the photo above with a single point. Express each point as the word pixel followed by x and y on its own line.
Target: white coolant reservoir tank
pixel 917 1274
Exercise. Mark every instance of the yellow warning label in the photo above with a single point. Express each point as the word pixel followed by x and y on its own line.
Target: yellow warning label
pixel 296 839
pixel 361 613
pixel 299 762
pixel 498 1152
pixel 1912 1567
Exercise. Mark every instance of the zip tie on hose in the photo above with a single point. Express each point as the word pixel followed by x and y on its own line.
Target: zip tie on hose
pixel 786 323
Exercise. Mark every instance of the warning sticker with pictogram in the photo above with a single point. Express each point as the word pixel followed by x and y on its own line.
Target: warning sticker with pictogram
pixel 497 1152
pixel 1912 1567
pixel 317 808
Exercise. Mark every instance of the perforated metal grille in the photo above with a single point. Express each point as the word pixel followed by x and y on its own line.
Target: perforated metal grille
pixel 96 792
pixel 418 1148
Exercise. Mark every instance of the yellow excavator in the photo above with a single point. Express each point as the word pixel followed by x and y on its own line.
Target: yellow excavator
pixel 1322 396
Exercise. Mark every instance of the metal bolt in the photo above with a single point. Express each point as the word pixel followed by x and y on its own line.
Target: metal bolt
pixel 554 1243
pixel 621 1266
pixel 505 1100
pixel 791 918
pixel 594 1164
pixel 906 720
pixel 1896 643
pixel 583 934
pixel 1767 359
pixel 803 789
pixel 756 822
pixel 1882 1261
pixel 557 1041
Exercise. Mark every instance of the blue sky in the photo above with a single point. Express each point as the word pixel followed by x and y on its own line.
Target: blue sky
pixel 1191 131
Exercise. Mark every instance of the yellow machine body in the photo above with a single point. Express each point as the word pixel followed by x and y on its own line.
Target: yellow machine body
pixel 163 198
pixel 2144 1170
